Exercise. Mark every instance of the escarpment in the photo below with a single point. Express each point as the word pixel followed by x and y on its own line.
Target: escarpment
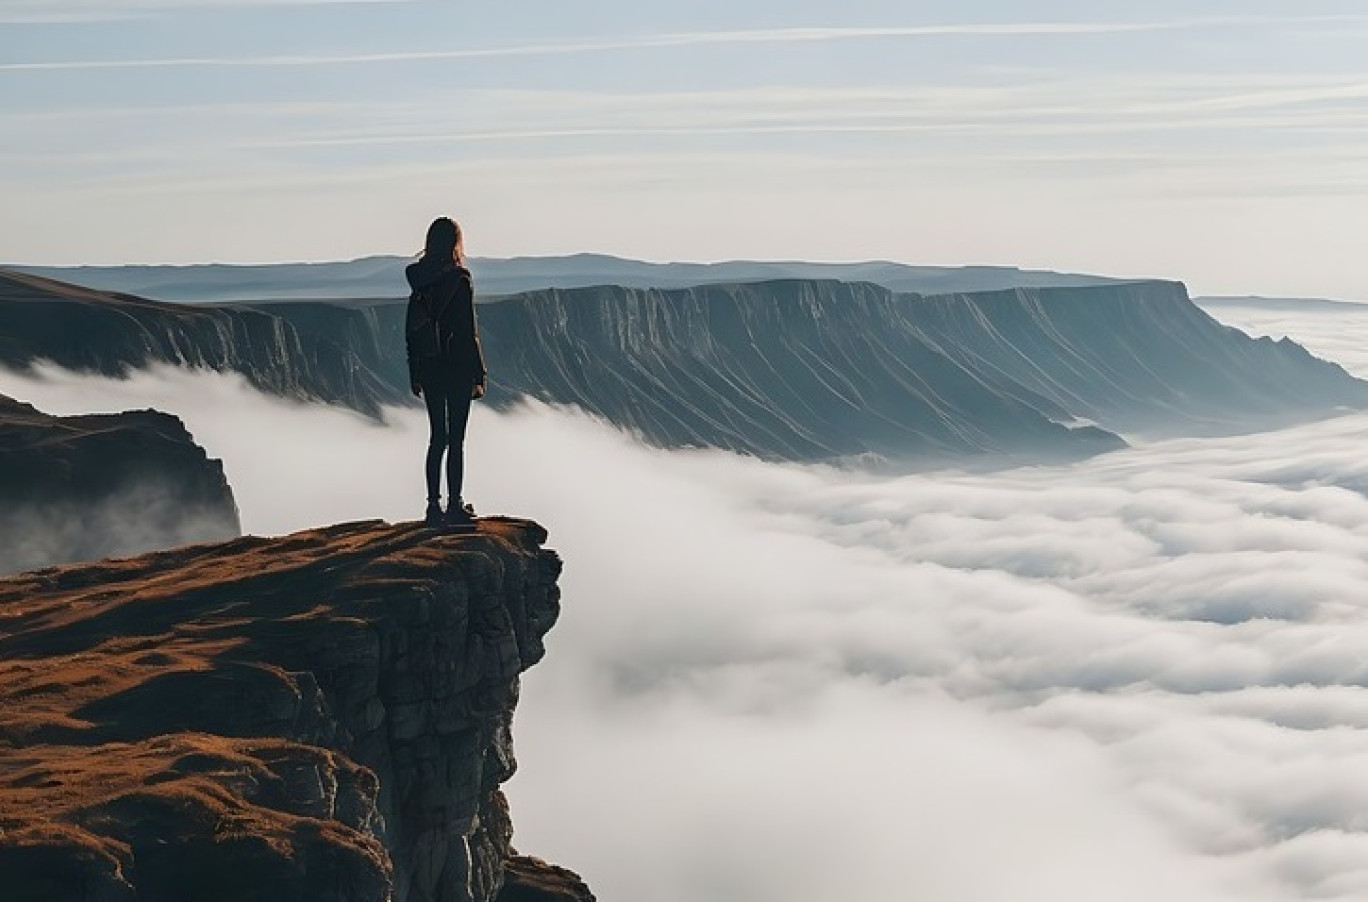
pixel 788 369
pixel 108 333
pixel 819 370
pixel 323 716
pixel 99 485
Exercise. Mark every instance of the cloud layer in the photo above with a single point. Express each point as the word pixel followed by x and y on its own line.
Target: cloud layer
pixel 1139 677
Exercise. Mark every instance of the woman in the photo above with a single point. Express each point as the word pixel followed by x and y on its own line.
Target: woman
pixel 446 365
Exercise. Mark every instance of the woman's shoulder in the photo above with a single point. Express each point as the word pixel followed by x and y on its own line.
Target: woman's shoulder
pixel 441 281
pixel 421 274
pixel 461 278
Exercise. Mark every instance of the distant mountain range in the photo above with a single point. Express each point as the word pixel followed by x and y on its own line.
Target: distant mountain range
pixel 794 369
pixel 383 277
pixel 1292 304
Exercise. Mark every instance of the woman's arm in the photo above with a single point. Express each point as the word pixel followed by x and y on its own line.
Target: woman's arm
pixel 417 325
pixel 479 374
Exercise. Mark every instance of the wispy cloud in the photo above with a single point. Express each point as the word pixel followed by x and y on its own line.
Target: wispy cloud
pixel 1053 110
pixel 1052 125
pixel 689 39
pixel 1046 102
pixel 36 12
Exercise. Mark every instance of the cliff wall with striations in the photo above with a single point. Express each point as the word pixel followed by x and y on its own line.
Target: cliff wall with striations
pixel 820 370
pixel 796 369
pixel 86 330
pixel 323 716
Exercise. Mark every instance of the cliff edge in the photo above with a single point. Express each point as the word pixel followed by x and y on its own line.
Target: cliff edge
pixel 323 716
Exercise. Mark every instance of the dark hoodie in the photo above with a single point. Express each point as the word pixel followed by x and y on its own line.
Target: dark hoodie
pixel 440 325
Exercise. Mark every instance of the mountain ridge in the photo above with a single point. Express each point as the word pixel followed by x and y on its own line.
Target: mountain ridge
pixel 794 369
pixel 380 277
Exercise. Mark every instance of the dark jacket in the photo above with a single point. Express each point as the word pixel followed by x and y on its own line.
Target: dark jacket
pixel 440 324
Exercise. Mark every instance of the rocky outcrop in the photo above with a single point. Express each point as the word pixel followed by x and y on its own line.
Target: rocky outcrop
pixel 87 487
pixel 324 716
pixel 528 879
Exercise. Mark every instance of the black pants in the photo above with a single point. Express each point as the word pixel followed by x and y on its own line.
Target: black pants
pixel 448 405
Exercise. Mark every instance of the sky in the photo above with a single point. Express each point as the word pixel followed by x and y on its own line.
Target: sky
pixel 1137 677
pixel 1217 142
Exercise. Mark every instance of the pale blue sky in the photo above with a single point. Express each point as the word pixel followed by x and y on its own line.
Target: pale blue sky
pixel 1221 143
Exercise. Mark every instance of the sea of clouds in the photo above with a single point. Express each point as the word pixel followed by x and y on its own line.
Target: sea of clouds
pixel 1139 677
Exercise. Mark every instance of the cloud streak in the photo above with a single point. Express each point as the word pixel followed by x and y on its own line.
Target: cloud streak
pixel 57 12
pixel 1046 109
pixel 684 40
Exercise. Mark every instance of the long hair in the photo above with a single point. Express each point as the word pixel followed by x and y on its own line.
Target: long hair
pixel 444 241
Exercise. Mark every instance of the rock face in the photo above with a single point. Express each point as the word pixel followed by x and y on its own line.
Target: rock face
pixel 87 487
pixel 813 370
pixel 528 879
pixel 1138 357
pixel 101 332
pixel 790 370
pixel 324 716
pixel 795 369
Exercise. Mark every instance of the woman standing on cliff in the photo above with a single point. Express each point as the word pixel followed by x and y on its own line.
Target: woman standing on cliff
pixel 446 364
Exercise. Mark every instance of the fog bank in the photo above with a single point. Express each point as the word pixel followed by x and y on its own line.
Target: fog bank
pixel 1138 677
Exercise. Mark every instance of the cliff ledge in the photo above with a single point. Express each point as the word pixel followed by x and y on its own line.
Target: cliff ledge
pixel 323 716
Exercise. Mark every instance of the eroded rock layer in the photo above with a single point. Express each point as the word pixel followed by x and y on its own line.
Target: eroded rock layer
pixel 324 716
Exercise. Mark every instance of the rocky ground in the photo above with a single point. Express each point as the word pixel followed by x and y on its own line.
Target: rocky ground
pixel 324 716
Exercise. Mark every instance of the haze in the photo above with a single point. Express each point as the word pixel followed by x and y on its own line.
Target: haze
pixel 1215 141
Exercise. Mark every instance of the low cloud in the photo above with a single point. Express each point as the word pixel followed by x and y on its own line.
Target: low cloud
pixel 137 516
pixel 1138 677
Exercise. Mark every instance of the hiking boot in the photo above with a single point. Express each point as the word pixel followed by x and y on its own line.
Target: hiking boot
pixel 433 517
pixel 460 515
